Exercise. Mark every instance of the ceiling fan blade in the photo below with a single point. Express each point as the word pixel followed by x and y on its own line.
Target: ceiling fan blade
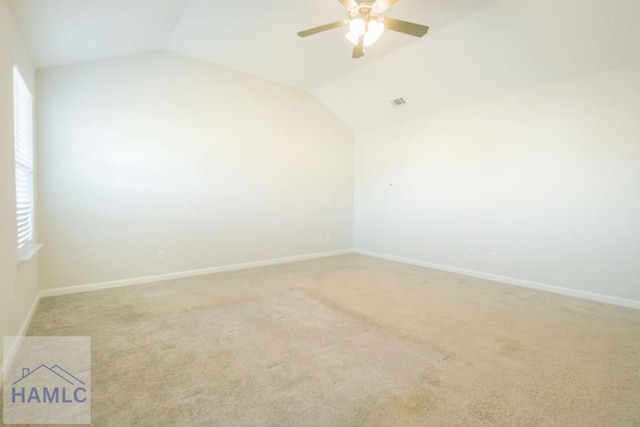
pixel 349 3
pixel 405 27
pixel 358 51
pixel 383 5
pixel 316 30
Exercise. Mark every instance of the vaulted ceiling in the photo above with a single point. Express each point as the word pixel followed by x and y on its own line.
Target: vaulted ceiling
pixel 474 50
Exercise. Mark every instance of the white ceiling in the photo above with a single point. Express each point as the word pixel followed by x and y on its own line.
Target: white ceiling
pixel 475 49
pixel 256 37
pixel 506 46
pixel 61 32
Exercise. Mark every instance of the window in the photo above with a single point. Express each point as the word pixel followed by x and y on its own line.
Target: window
pixel 23 139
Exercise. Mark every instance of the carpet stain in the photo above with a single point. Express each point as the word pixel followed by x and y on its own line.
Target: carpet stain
pixel 413 404
pixel 510 348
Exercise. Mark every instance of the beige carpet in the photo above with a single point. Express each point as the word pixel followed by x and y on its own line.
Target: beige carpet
pixel 351 341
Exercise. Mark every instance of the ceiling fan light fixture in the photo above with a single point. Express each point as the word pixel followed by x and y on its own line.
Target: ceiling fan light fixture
pixel 357 28
pixel 366 24
pixel 375 28
pixel 371 30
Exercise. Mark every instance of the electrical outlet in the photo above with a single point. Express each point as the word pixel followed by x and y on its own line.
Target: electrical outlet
pixel 469 252
pixel 494 256
pixel 328 238
pixel 161 255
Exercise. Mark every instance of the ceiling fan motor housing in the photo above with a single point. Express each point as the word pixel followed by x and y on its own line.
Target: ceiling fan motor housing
pixel 364 10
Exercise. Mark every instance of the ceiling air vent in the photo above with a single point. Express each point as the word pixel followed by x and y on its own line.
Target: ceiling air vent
pixel 398 102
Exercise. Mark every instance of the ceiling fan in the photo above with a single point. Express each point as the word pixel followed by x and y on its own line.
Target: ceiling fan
pixel 366 24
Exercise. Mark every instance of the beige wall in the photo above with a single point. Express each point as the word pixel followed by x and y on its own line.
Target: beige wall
pixel 164 152
pixel 548 179
pixel 18 283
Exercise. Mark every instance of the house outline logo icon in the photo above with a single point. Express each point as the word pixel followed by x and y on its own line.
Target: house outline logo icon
pixel 70 389
pixel 56 370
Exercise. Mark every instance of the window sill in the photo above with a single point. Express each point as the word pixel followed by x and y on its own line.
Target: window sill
pixel 28 252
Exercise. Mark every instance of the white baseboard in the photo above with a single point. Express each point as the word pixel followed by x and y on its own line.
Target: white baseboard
pixel 10 354
pixel 623 302
pixel 183 274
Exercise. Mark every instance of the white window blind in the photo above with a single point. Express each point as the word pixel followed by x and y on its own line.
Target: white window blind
pixel 23 139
